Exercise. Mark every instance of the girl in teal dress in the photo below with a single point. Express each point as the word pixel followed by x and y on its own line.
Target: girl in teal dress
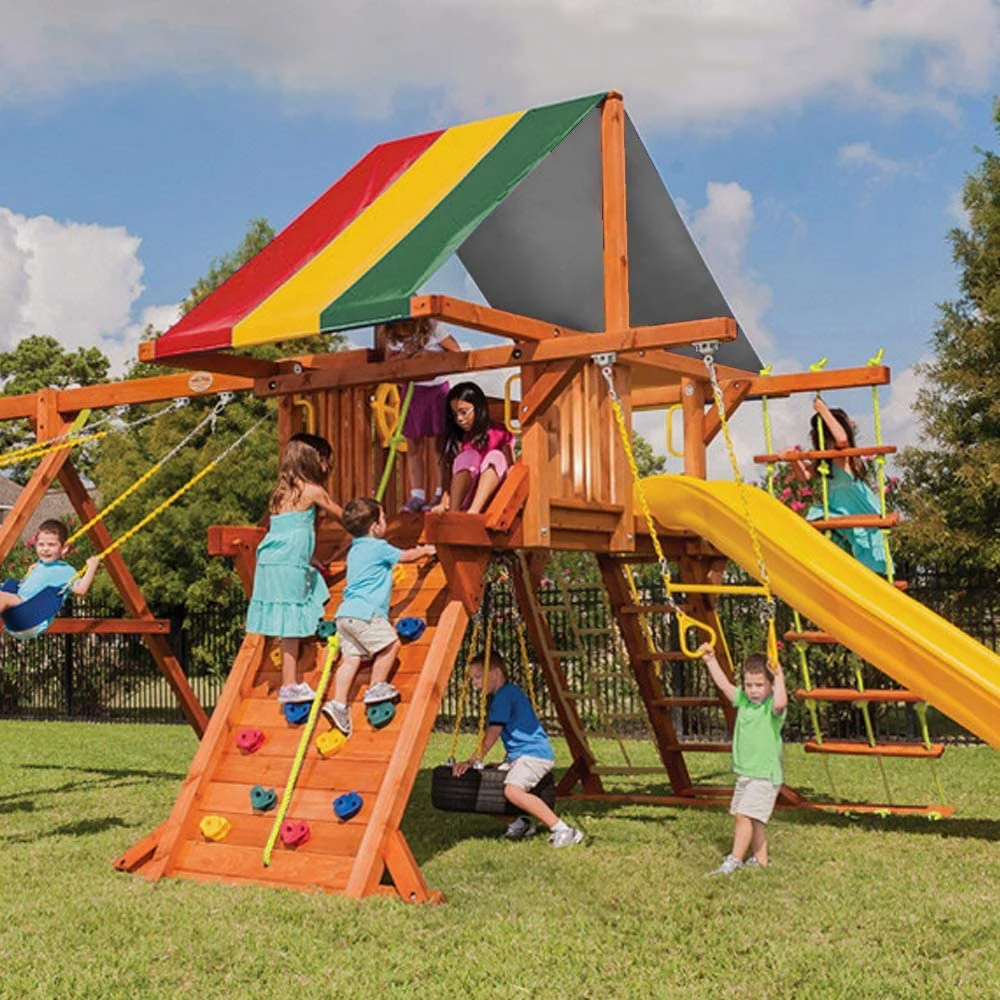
pixel 847 491
pixel 288 591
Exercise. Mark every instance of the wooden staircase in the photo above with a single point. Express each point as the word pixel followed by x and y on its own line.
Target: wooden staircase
pixel 353 857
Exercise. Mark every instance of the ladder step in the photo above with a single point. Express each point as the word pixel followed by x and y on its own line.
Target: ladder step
pixel 658 657
pixel 850 694
pixel 566 654
pixel 700 747
pixel 643 769
pixel 879 750
pixel 688 702
pixel 857 521
pixel 815 638
pixel 647 609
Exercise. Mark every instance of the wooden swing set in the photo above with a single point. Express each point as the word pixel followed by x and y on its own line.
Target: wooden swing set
pixel 561 219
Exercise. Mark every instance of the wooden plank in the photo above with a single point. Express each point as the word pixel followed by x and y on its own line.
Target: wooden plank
pixel 329 836
pixel 108 626
pixel 879 750
pixel 148 390
pixel 139 853
pixel 261 712
pixel 856 521
pixel 316 772
pixel 405 872
pixel 693 402
pixel 526 580
pixel 650 689
pixel 135 602
pixel 241 365
pixel 733 393
pixel 473 316
pixel 410 745
pixel 614 225
pixel 289 867
pixel 880 449
pixel 509 499
pixel 851 695
pixel 209 750
pixel 548 383
pixel 433 364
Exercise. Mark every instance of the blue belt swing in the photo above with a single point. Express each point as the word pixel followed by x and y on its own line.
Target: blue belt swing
pixel 32 617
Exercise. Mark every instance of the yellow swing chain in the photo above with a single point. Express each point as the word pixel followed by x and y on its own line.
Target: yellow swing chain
pixel 880 461
pixel 483 693
pixel 170 500
pixel 224 400
pixel 463 694
pixel 605 363
pixel 707 350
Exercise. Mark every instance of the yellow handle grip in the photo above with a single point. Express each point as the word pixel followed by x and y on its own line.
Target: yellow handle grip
pixel 684 624
pixel 670 430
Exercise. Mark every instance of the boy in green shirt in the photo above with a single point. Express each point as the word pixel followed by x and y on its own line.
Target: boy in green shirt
pixel 760 714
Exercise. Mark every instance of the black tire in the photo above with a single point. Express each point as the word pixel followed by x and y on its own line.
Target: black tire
pixel 481 791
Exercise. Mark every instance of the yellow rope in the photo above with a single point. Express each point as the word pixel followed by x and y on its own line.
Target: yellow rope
pixel 483 694
pixel 332 648
pixel 42 449
pixel 880 460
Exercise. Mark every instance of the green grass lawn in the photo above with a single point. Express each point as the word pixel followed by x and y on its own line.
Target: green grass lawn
pixel 850 908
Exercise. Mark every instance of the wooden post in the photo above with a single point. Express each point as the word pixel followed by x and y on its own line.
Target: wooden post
pixel 693 403
pixel 134 600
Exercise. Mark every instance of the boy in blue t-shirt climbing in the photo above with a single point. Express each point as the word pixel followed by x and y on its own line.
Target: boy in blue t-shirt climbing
pixel 51 570
pixel 529 753
pixel 761 706
pixel 363 616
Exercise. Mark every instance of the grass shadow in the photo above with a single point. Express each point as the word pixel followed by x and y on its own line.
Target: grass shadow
pixel 78 828
pixel 972 828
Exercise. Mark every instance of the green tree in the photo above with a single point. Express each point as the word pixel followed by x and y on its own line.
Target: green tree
pixel 169 557
pixel 41 362
pixel 951 485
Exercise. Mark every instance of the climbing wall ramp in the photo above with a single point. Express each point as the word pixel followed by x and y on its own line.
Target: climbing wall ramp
pixel 362 855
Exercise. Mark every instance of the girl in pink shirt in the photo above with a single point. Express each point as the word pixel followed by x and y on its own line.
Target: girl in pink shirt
pixel 477 452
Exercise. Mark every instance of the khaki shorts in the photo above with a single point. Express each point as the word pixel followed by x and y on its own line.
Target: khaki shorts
pixel 754 797
pixel 526 772
pixel 364 639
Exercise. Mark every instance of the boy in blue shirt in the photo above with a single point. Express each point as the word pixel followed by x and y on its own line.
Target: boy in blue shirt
pixel 51 570
pixel 529 753
pixel 363 616
pixel 761 706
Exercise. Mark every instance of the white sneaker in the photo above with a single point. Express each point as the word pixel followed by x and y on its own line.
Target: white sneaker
pixel 521 828
pixel 566 838
pixel 291 694
pixel 339 715
pixel 383 691
pixel 729 864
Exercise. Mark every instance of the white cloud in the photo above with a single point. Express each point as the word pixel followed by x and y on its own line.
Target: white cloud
pixel 863 155
pixel 710 61
pixel 722 231
pixel 957 211
pixel 75 282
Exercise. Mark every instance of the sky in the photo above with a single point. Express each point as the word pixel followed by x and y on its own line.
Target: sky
pixel 816 148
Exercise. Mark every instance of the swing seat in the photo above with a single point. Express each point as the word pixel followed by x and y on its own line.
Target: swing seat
pixel 32 617
pixel 481 791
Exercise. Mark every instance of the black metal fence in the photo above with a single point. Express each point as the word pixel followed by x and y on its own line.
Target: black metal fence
pixel 98 678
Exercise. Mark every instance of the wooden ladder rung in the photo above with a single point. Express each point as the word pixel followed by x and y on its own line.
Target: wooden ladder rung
pixel 700 747
pixel 856 521
pixel 851 694
pixel 686 702
pixel 656 657
pixel 879 750
pixel 641 769
pixel 565 654
pixel 647 609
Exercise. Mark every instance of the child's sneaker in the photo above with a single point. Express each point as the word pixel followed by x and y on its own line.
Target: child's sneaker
pixel 340 715
pixel 415 505
pixel 728 866
pixel 383 691
pixel 291 694
pixel 566 838
pixel 521 827
pixel 752 862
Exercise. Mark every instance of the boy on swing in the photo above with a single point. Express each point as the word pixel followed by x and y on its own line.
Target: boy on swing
pixel 511 718
pixel 761 705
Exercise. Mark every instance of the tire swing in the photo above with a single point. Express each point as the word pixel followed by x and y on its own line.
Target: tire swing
pixel 480 789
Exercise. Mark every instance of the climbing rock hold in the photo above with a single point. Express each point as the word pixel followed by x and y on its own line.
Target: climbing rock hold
pixel 409 629
pixel 214 827
pixel 326 629
pixel 348 805
pixel 263 798
pixel 294 833
pixel 250 740
pixel 380 714
pixel 330 742
pixel 296 712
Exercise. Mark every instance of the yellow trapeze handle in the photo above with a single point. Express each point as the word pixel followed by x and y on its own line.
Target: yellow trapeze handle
pixel 508 403
pixel 686 622
pixel 670 430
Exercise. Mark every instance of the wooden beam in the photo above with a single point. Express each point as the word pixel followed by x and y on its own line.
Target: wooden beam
pixel 693 401
pixel 733 393
pixel 614 225
pixel 458 362
pixel 548 383
pixel 148 390
pixel 509 499
pixel 135 602
pixel 486 319
pixel 108 626
pixel 215 361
